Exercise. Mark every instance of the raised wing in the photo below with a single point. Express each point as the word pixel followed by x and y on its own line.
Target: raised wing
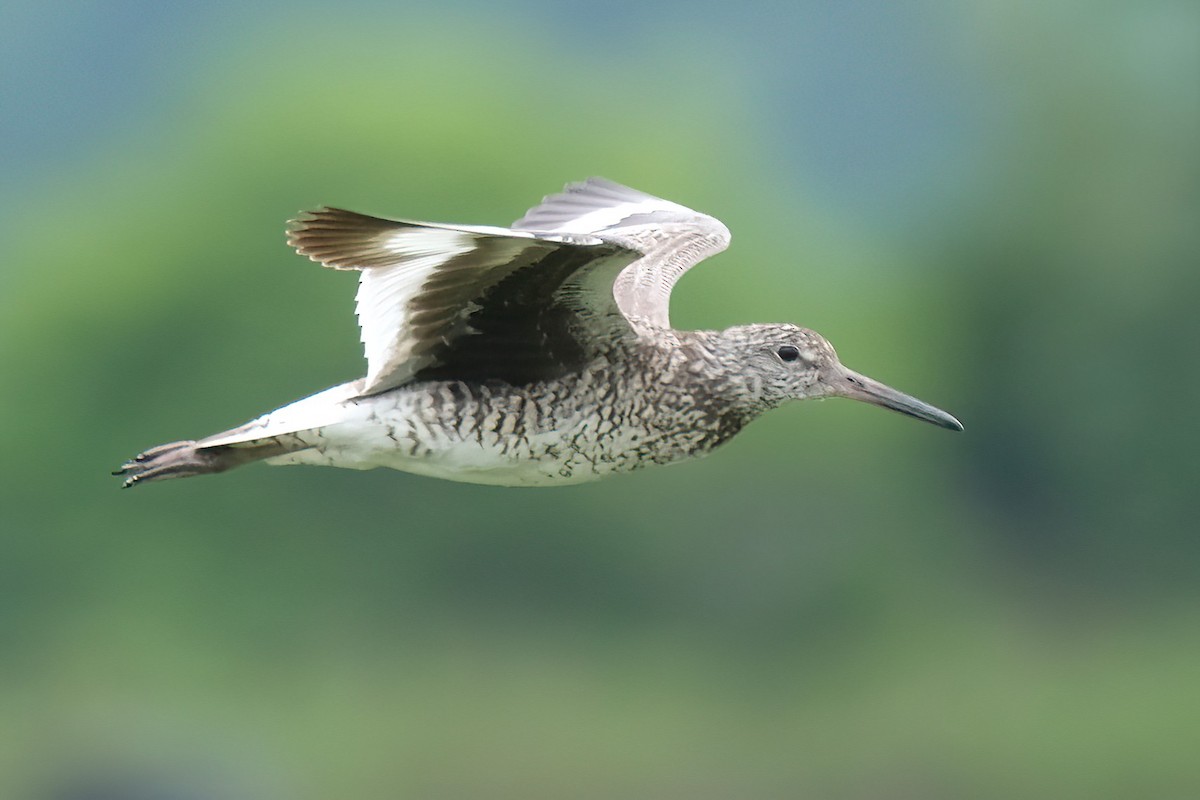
pixel 670 238
pixel 469 303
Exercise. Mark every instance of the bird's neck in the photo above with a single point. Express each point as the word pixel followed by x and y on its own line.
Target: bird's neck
pixel 706 366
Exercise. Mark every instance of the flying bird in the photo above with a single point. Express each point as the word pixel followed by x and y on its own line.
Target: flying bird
pixel 536 355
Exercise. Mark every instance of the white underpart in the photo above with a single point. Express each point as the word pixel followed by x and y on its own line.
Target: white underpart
pixel 390 430
pixel 316 411
pixel 361 441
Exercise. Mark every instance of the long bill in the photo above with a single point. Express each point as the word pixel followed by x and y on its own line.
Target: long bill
pixel 848 383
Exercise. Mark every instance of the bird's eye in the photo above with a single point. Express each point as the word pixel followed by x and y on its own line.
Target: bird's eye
pixel 788 352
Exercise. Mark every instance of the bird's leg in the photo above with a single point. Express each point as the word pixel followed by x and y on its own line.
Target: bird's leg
pixel 185 459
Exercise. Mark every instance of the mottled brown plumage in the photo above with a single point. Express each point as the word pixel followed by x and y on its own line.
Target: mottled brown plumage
pixel 540 354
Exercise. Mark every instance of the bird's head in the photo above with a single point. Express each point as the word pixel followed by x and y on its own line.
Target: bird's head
pixel 784 362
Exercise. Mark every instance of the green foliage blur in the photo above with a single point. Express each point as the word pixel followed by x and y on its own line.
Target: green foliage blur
pixel 841 603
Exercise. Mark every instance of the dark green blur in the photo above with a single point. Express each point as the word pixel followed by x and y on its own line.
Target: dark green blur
pixel 842 603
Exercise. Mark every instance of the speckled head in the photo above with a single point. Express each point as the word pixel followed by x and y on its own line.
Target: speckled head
pixel 782 362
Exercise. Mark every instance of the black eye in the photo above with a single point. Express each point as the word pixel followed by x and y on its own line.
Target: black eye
pixel 788 352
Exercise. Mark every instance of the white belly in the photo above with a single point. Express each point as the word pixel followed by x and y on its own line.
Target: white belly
pixel 394 431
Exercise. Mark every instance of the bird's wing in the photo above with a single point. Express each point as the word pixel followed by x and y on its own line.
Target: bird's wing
pixel 670 238
pixel 467 302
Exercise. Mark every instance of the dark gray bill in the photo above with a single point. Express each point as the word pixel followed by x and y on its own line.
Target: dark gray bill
pixel 848 383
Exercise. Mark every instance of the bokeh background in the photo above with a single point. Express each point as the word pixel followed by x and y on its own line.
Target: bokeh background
pixel 993 205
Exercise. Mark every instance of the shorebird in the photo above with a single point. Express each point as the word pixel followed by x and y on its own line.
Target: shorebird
pixel 536 355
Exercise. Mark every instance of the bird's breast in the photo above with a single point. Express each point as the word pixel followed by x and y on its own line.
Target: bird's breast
pixel 575 429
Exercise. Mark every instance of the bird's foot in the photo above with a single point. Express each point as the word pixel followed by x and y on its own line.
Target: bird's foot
pixel 174 460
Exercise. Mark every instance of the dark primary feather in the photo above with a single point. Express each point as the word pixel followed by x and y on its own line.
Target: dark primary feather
pixel 342 239
pixel 513 334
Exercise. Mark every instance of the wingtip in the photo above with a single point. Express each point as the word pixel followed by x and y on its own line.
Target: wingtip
pixel 318 218
pixel 338 238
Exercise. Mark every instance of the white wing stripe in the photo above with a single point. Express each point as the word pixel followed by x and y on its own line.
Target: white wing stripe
pixel 384 293
pixel 598 219
pixel 417 242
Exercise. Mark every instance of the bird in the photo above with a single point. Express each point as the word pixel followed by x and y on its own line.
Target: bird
pixel 535 355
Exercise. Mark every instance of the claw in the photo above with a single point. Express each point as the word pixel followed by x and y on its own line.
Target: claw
pixel 174 460
pixel 185 459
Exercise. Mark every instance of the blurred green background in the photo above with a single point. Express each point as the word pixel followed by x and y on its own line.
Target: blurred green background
pixel 994 206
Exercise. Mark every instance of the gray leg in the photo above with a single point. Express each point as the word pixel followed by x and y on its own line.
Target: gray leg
pixel 185 459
